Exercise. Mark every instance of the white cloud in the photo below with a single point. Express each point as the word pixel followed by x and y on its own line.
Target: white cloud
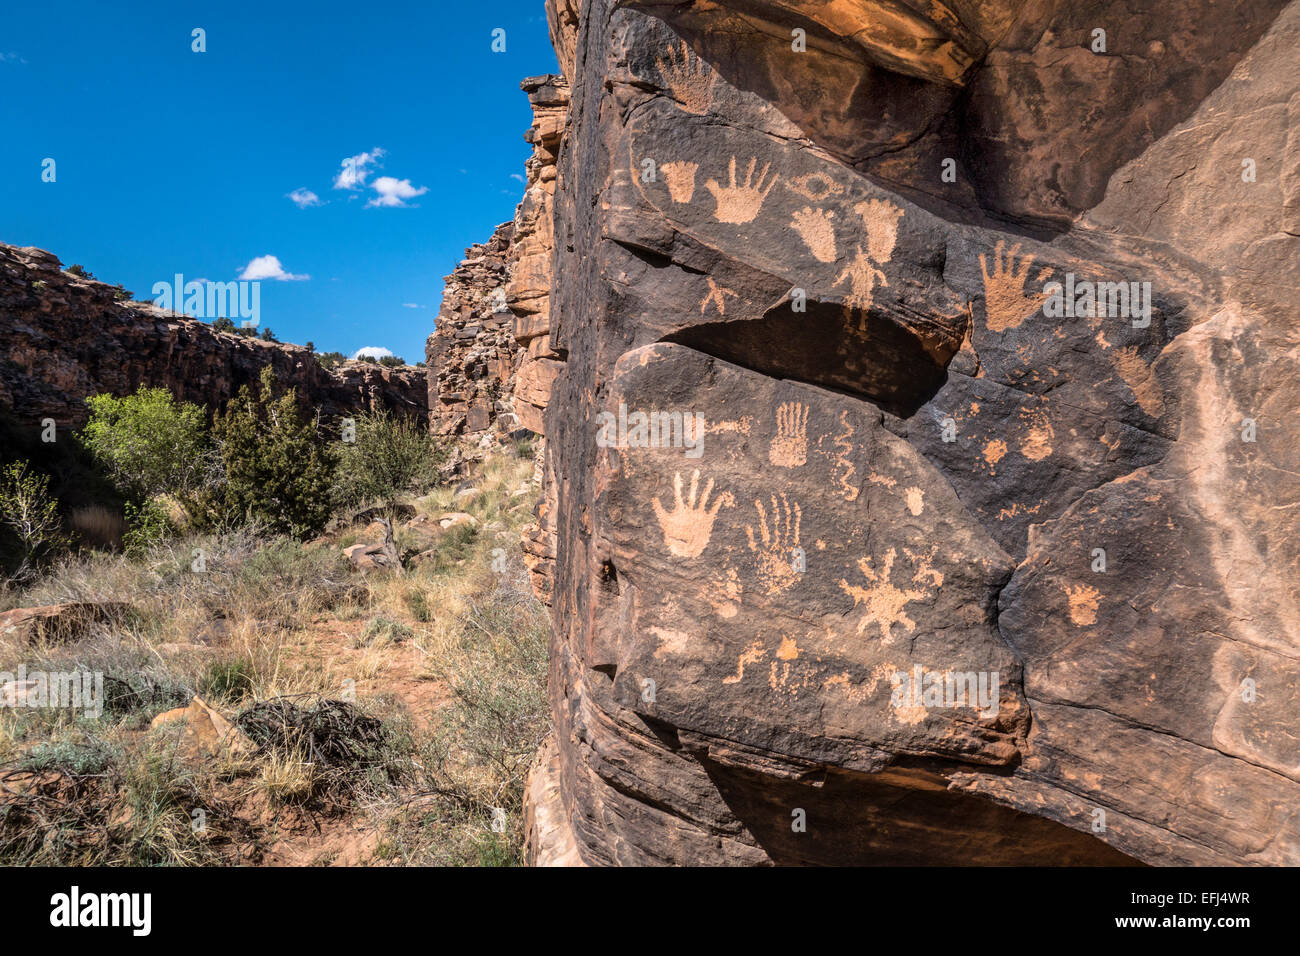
pixel 411 305
pixel 11 58
pixel 518 177
pixel 394 192
pixel 353 170
pixel 373 351
pixel 303 198
pixel 268 267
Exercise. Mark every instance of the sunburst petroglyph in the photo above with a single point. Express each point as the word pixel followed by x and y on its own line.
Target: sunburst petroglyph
pixel 789 449
pixel 688 80
pixel 774 548
pixel 689 526
pixel 740 203
pixel 1005 302
pixel 886 604
pixel 680 177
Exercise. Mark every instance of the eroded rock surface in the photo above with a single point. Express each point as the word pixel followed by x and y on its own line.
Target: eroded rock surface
pixel 471 354
pixel 892 456
pixel 64 338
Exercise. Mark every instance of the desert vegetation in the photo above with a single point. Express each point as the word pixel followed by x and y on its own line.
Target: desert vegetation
pixel 314 641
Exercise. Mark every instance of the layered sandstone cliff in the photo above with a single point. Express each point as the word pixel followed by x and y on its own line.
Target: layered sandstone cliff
pixel 830 231
pixel 471 354
pixel 64 338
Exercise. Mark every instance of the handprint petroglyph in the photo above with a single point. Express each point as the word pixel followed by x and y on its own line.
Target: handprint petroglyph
pixel 680 177
pixel 775 547
pixel 688 80
pixel 740 204
pixel 689 526
pixel 1005 302
pixel 815 229
pixel 789 449
pixel 881 220
pixel 718 296
pixel 885 604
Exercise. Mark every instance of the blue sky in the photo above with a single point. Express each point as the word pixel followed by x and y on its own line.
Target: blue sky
pixel 171 161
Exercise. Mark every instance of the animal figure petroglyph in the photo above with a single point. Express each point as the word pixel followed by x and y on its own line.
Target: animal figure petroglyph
pixel 845 468
pixel 740 204
pixel 689 526
pixel 775 547
pixel 688 80
pixel 789 449
pixel 717 295
pixel 861 274
pixel 1005 302
pixel 815 229
pixel 680 177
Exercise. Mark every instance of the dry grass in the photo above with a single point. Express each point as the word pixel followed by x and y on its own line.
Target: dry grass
pixel 239 619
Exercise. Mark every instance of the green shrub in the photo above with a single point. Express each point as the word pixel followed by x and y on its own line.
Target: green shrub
pixel 389 459
pixel 150 443
pixel 31 514
pixel 147 525
pixel 279 470
pixel 227 680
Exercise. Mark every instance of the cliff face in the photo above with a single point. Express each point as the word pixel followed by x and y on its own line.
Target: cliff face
pixel 472 354
pixel 64 338
pixel 892 465
pixel 529 297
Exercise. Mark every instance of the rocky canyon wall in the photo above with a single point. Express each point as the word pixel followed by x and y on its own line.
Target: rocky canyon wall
pixel 889 464
pixel 64 338
pixel 471 355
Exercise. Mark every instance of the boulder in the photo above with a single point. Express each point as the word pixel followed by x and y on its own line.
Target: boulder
pixel 63 623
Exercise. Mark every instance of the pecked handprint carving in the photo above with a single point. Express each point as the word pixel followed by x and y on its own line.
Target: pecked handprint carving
pixel 774 548
pixel 1005 303
pixel 789 449
pixel 689 526
pixel 815 229
pixel 680 177
pixel 741 203
pixel 689 81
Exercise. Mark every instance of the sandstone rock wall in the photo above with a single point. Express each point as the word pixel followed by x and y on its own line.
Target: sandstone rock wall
pixel 472 355
pixel 895 460
pixel 64 338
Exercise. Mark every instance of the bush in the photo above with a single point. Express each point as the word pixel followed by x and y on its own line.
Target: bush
pixel 392 361
pixel 331 359
pixel 279 471
pixel 147 526
pixel 390 457
pixel 223 324
pixel 76 269
pixel 150 443
pixel 32 514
